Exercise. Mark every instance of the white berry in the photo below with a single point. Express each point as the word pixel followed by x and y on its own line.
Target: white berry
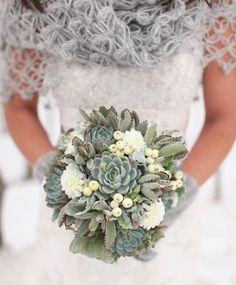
pixel 93 185
pixel 117 212
pixel 148 152
pixel 119 153
pixel 155 153
pixel 128 150
pixel 113 148
pixel 179 174
pixel 127 203
pixel 120 145
pixel 118 135
pixel 118 197
pixel 173 185
pixel 114 204
pixel 150 160
pixel 179 183
pixel 87 191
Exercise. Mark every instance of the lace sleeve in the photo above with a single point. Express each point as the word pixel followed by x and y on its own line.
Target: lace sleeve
pixel 22 72
pixel 219 37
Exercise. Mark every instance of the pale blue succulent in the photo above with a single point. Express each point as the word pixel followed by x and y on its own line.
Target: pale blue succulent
pixel 115 174
pixel 100 135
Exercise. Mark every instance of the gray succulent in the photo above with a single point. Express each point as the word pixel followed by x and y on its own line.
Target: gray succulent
pixel 115 174
pixel 127 243
pixel 100 135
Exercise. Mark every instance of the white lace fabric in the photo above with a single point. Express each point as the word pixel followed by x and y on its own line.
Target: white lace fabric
pixel 134 33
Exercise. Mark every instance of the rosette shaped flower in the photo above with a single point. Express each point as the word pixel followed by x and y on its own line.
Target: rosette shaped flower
pixel 100 135
pixel 56 197
pixel 115 174
pixel 127 243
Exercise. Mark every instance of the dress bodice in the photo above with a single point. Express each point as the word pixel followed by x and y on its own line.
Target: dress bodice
pixel 161 94
pixel 116 34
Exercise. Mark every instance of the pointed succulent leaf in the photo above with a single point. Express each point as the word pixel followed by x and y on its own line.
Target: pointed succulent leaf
pixel 100 117
pixel 79 159
pixel 113 110
pixel 135 118
pixel 172 149
pixel 126 121
pixel 91 150
pixel 142 127
pixel 83 152
pixel 149 194
pixel 84 115
pixel 112 120
pixel 148 177
pixel 103 110
pixel 150 135
pixel 151 185
pixel 100 205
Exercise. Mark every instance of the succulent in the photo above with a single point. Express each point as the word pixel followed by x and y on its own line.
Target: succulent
pixel 115 174
pixel 100 135
pixel 56 197
pixel 128 242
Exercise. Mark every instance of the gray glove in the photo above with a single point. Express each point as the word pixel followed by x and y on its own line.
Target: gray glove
pixel 191 190
pixel 41 167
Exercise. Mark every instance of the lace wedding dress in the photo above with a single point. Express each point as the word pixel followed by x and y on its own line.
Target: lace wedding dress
pixel 159 82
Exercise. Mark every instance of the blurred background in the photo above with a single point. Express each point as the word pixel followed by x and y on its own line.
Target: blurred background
pixel 216 200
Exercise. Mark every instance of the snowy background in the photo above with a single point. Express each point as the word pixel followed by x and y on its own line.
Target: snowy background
pixel 217 198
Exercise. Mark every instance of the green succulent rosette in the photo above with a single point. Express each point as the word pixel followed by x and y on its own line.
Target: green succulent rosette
pixel 112 182
pixel 115 174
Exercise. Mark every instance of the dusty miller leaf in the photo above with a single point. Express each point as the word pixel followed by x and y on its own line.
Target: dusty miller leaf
pixel 110 233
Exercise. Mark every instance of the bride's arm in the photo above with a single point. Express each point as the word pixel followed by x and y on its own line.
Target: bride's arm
pixel 219 130
pixel 25 127
pixel 24 74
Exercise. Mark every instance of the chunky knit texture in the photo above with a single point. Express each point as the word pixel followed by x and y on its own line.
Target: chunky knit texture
pixel 121 33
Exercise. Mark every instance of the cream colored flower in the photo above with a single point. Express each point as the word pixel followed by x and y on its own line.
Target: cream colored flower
pixel 153 216
pixel 134 139
pixel 72 181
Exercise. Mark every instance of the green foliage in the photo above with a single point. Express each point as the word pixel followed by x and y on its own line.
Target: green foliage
pixel 110 234
pixel 98 233
pixel 92 247
pixel 173 151
pixel 150 135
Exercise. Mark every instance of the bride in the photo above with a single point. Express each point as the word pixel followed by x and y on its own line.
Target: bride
pixel 146 55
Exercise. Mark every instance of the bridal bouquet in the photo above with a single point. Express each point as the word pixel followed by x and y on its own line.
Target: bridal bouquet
pixel 112 181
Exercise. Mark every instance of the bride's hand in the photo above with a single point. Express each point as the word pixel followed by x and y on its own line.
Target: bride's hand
pixel 191 190
pixel 42 166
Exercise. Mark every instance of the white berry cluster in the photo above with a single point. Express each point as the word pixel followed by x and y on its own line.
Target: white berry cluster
pixel 120 148
pixel 119 199
pixel 90 187
pixel 175 184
